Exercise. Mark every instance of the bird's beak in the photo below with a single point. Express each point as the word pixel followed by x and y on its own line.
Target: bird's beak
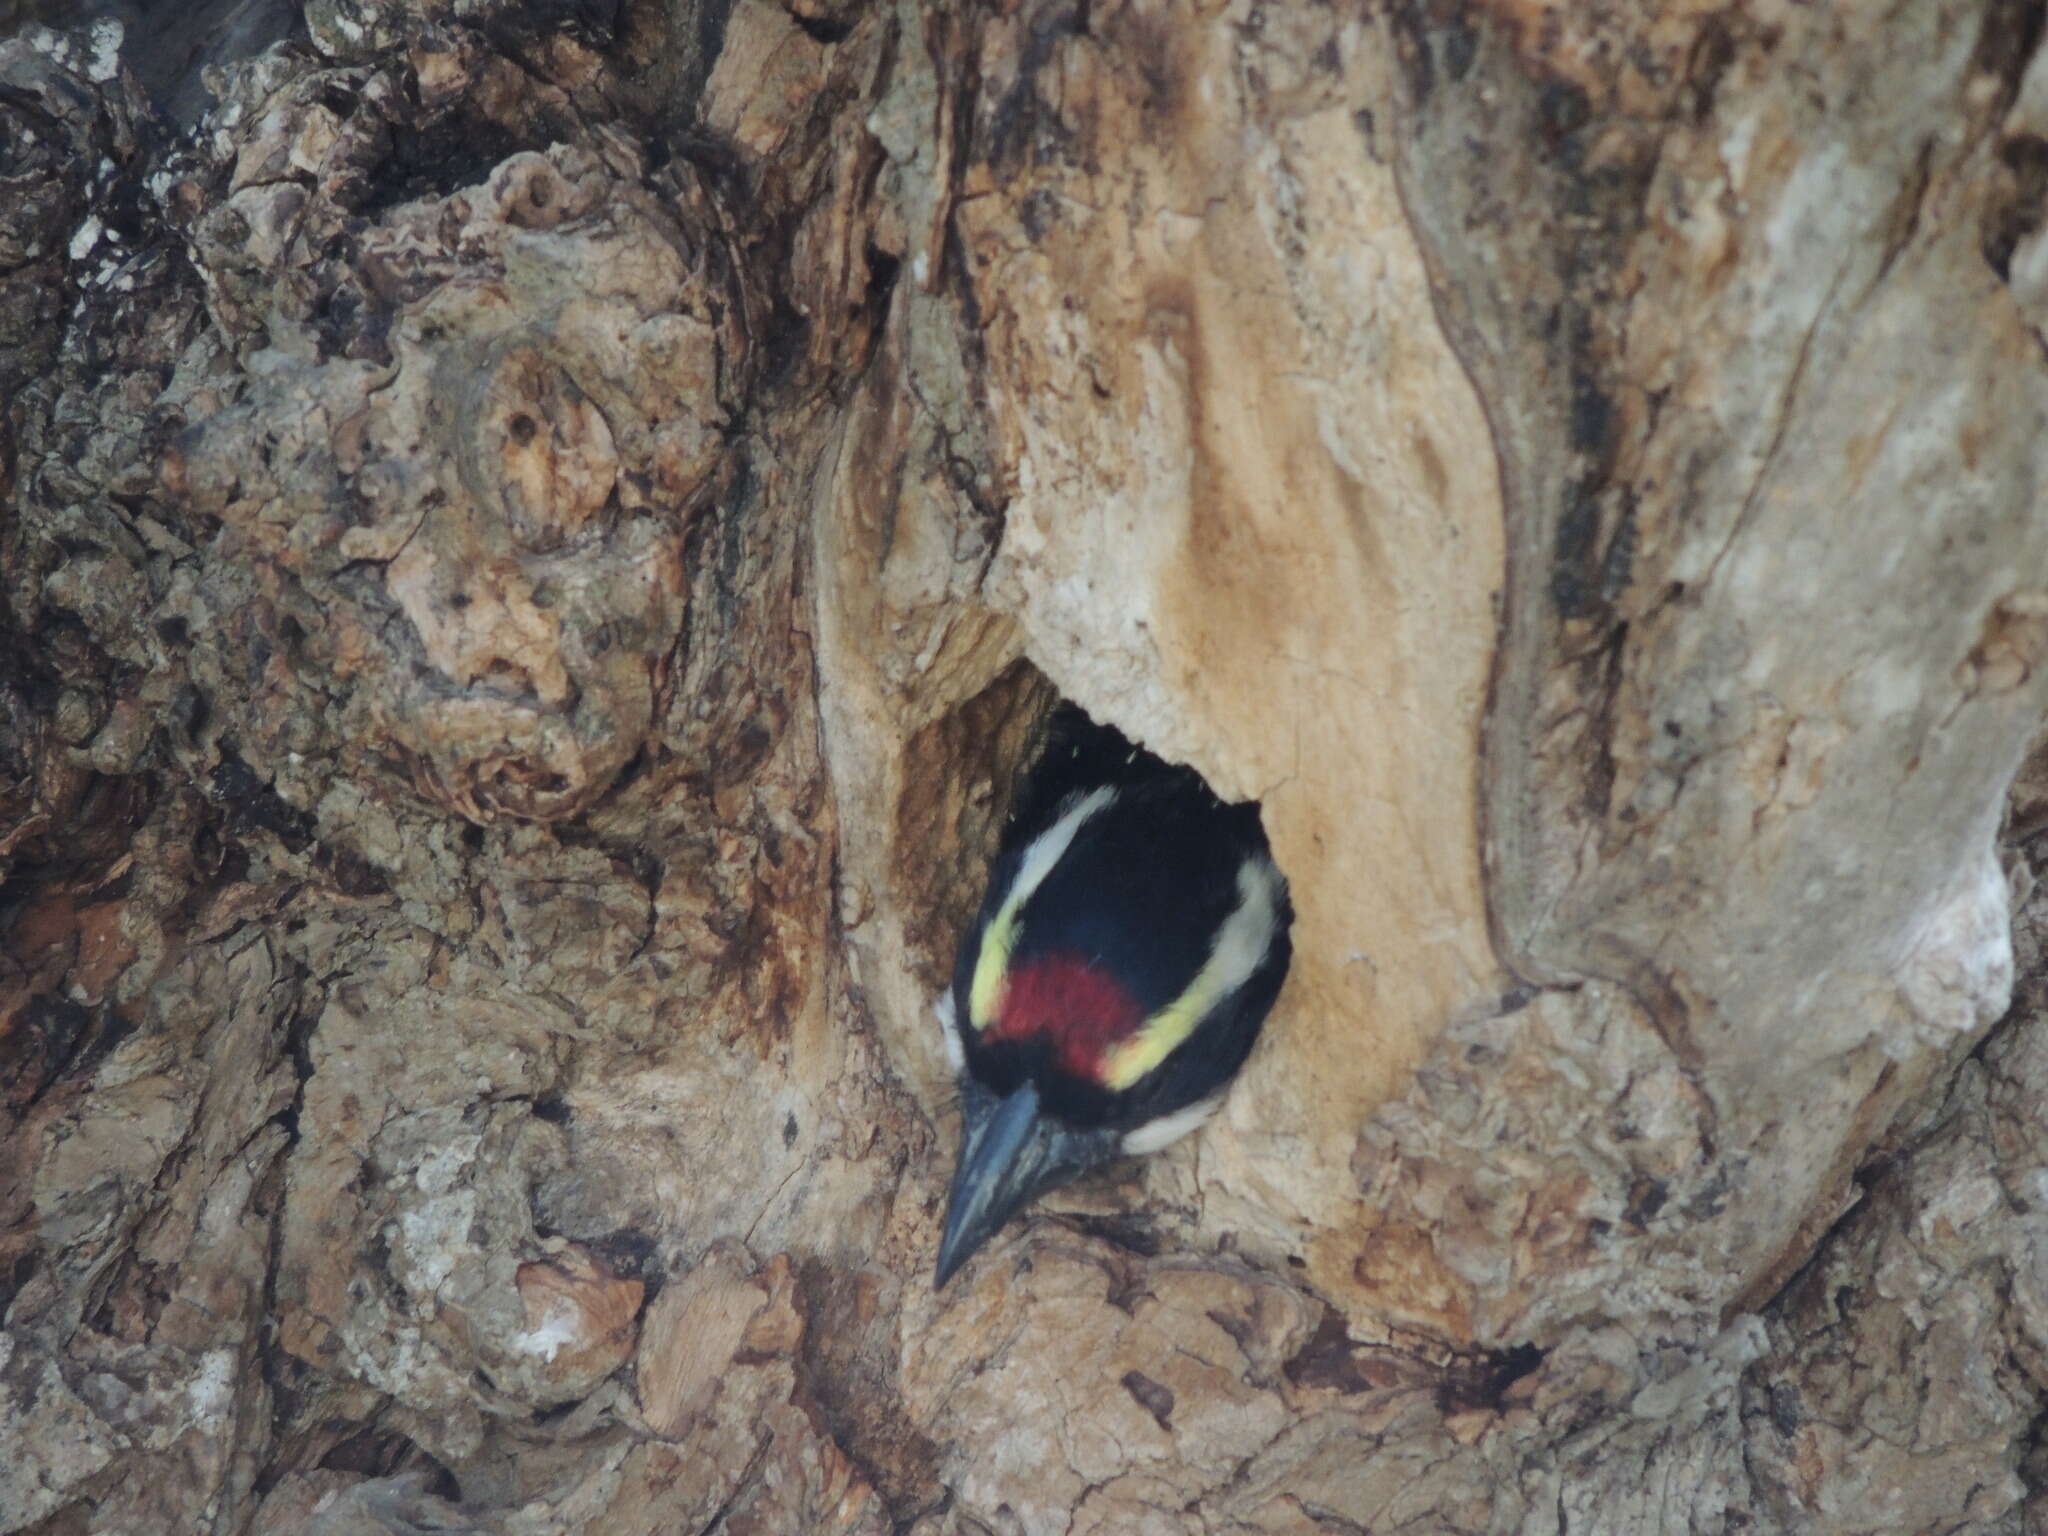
pixel 1010 1154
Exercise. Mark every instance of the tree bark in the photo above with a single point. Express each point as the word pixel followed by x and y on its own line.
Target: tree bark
pixel 539 538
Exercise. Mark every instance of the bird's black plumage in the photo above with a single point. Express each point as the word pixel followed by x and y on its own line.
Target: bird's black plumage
pixel 1142 891
pixel 1133 939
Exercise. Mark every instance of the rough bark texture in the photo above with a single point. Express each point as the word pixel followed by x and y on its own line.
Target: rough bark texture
pixel 538 535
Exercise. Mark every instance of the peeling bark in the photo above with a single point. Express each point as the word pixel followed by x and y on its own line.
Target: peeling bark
pixel 538 538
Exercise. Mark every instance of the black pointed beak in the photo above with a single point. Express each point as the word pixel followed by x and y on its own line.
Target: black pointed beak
pixel 1010 1154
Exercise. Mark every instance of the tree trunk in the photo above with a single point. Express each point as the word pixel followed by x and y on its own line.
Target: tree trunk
pixel 540 536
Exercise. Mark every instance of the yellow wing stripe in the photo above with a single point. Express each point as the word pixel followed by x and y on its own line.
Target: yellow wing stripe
pixel 999 939
pixel 1240 946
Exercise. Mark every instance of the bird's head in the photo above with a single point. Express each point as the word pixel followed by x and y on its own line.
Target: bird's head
pixel 1011 1152
pixel 1042 1064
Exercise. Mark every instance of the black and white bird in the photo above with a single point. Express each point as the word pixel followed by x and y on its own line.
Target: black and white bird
pixel 1133 938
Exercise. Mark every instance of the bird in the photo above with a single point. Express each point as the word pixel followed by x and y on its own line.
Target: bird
pixel 1133 937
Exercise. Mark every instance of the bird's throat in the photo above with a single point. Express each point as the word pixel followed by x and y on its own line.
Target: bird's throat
pixel 1076 1009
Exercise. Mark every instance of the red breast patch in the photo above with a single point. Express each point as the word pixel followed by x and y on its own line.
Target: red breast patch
pixel 1074 1005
